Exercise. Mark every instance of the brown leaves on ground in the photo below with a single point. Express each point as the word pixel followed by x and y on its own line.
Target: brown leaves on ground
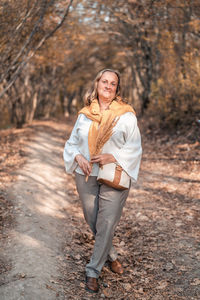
pixel 12 156
pixel 12 153
pixel 158 235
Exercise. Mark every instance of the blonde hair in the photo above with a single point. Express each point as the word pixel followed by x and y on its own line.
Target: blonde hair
pixel 92 93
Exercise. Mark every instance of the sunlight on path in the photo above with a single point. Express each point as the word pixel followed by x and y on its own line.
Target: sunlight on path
pixel 39 201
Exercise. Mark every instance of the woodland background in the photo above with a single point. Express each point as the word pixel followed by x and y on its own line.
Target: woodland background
pixel 52 50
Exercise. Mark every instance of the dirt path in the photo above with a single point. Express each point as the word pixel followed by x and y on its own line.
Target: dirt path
pixel 35 243
pixel 157 238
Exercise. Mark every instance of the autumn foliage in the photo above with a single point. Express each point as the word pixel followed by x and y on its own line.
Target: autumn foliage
pixel 51 51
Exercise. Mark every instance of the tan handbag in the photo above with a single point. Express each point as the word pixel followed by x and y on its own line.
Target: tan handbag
pixel 113 175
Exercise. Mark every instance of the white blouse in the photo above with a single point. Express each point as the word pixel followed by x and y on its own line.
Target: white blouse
pixel 124 145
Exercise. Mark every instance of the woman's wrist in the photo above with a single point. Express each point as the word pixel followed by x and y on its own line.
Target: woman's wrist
pixel 113 160
pixel 77 157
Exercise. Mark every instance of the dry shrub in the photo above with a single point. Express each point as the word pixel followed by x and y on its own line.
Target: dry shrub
pixel 175 103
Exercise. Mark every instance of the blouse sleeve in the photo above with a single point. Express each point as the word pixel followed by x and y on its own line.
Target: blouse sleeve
pixel 71 149
pixel 129 155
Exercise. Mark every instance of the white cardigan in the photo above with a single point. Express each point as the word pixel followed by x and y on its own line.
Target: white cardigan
pixel 124 145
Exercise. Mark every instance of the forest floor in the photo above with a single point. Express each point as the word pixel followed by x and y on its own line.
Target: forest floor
pixel 45 242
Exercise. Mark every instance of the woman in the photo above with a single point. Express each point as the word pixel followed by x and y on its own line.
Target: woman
pixel 102 204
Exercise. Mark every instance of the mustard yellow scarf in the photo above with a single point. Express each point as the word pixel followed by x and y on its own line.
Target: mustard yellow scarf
pixel 116 109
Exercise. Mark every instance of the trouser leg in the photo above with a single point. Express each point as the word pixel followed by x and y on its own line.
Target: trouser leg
pixel 89 196
pixel 111 203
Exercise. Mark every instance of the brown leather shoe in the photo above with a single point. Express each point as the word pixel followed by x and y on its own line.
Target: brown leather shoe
pixel 116 267
pixel 91 284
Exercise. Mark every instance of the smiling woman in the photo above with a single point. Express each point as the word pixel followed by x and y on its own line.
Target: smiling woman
pixel 108 119
pixel 107 87
pixel 94 93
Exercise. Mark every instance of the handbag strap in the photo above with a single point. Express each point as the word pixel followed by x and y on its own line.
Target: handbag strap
pixel 118 172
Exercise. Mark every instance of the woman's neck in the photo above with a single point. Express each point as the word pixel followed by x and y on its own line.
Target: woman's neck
pixel 104 105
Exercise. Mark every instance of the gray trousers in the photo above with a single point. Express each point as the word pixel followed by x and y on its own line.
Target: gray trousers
pixel 102 208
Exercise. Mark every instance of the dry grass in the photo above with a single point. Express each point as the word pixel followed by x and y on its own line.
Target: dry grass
pixel 104 133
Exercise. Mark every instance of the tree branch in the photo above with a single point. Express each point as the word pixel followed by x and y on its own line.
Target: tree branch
pixel 42 41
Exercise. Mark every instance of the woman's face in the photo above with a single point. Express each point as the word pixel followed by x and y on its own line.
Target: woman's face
pixel 107 86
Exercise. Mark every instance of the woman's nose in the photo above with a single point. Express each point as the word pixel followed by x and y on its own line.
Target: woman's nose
pixel 108 86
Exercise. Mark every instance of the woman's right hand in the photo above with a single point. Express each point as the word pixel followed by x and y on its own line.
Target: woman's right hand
pixel 84 164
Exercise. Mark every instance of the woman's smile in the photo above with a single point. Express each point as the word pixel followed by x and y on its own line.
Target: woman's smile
pixel 107 87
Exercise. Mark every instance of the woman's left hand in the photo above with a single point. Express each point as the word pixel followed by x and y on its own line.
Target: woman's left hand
pixel 103 159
